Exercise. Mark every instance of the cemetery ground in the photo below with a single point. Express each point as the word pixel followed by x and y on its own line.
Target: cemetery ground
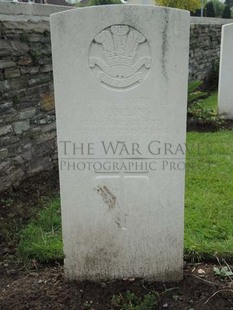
pixel 31 269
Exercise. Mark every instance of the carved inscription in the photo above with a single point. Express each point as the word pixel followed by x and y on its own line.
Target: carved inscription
pixel 120 57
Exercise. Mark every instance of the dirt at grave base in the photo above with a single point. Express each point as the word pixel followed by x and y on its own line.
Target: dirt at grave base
pixel 46 288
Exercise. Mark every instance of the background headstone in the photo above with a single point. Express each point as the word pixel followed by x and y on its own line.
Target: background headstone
pixel 225 94
pixel 120 76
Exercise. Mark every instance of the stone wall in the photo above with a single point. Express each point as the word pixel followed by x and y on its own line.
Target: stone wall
pixel 204 50
pixel 27 117
pixel 205 40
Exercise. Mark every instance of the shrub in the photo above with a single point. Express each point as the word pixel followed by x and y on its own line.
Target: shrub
pixel 226 12
pixel 98 2
pixel 218 8
pixel 210 12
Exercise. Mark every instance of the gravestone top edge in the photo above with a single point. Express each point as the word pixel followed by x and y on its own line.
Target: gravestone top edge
pixel 119 7
pixel 227 26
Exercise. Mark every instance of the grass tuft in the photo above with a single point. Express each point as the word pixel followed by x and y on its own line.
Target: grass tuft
pixel 42 238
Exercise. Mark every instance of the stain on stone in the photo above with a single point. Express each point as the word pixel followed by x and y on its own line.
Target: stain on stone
pixel 118 222
pixel 107 196
pixel 165 43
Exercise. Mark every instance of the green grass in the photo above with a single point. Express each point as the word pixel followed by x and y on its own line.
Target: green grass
pixel 208 205
pixel 210 103
pixel 41 239
pixel 209 195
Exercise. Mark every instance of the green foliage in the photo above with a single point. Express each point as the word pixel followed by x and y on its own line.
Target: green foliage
pixel 223 272
pixel 197 111
pixel 190 5
pixel 35 54
pixel 218 8
pixel 193 86
pixel 41 239
pixel 99 2
pixel 129 301
pixel 209 9
pixel 203 115
pixel 193 93
pixel 229 3
pixel 103 2
pixel 226 12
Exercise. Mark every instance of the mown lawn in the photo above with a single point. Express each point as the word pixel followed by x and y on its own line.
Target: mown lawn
pixel 209 195
pixel 210 102
pixel 208 203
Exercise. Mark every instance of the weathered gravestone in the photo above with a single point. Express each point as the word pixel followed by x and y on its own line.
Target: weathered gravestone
pixel 120 77
pixel 225 95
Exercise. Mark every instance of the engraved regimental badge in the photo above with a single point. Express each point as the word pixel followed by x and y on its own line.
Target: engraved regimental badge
pixel 120 57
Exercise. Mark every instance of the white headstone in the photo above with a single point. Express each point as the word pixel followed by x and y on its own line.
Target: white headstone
pixel 120 76
pixel 225 89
